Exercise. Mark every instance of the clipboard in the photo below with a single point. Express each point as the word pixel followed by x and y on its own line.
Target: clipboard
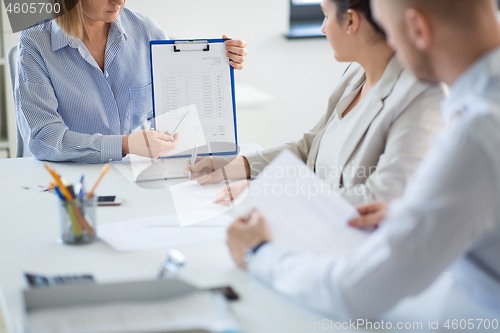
pixel 189 75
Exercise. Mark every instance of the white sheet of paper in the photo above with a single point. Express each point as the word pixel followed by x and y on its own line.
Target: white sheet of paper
pixel 201 310
pixel 301 211
pixel 137 168
pixel 191 131
pixel 162 231
pixel 191 194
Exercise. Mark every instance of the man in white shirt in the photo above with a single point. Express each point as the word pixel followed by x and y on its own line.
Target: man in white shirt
pixel 449 217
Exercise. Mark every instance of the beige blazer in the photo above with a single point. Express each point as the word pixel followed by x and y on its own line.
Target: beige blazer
pixel 401 117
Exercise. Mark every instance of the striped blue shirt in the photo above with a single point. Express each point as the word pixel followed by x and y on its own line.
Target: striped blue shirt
pixel 67 108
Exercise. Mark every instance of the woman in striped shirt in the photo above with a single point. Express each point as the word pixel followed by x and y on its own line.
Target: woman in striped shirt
pixel 84 83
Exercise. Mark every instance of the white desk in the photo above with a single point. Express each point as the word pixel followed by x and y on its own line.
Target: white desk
pixel 28 242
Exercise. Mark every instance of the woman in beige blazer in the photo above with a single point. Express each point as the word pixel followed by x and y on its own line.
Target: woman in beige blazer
pixel 379 123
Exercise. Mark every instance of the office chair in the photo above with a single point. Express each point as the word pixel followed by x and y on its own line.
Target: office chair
pixel 22 147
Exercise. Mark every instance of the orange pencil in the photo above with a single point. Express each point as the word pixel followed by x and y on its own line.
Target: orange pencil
pixel 103 172
pixel 64 189
pixel 83 222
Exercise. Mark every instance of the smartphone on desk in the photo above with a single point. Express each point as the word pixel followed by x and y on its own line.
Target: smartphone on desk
pixel 109 200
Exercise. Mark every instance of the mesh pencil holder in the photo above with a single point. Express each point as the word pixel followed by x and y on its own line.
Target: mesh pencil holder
pixel 78 221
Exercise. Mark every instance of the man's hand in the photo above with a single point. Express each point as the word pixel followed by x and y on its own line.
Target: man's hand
pixel 236 52
pixel 371 215
pixel 246 233
pixel 150 144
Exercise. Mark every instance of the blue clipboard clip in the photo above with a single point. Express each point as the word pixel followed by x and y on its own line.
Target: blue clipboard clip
pixel 178 46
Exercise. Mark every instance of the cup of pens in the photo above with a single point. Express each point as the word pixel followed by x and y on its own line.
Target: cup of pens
pixel 77 210
pixel 78 220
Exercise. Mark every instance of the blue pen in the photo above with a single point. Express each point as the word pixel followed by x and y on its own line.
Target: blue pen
pixel 80 189
pixel 58 192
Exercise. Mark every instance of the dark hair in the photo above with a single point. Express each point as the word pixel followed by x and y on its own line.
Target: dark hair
pixel 362 6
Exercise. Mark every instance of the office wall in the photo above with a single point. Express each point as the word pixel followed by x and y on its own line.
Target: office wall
pixel 299 75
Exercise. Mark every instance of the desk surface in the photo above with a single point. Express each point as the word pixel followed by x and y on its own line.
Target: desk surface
pixel 28 243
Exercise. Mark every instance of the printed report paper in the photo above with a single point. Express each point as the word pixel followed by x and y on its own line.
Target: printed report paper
pixel 302 212
pixel 200 78
pixel 163 231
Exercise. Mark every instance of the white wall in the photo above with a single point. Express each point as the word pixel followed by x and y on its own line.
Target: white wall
pixel 300 75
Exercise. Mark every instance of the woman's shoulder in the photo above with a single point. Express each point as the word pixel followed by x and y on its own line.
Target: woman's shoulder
pixel 37 34
pixel 142 23
pixel 405 89
pixel 406 81
pixel 415 103
pixel 415 89
pixel 408 99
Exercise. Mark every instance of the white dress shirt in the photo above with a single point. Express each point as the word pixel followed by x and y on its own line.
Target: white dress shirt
pixel 448 216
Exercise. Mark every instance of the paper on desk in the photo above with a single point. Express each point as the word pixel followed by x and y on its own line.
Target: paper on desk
pixel 190 133
pixel 137 168
pixel 202 310
pixel 191 194
pixel 162 232
pixel 303 212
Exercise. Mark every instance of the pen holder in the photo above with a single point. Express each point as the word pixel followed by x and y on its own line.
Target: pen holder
pixel 78 221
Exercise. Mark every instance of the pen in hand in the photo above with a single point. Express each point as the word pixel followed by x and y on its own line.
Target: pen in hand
pixel 178 127
pixel 193 157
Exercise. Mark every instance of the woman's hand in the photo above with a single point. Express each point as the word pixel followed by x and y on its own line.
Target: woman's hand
pixel 216 169
pixel 371 215
pixel 236 52
pixel 149 143
pixel 229 193
pixel 246 233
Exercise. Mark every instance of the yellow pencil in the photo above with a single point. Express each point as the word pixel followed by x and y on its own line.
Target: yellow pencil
pixel 103 172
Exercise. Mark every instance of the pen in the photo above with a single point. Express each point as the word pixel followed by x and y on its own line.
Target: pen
pixel 103 172
pixel 180 124
pixel 71 191
pixel 193 156
pixel 147 141
pixel 58 192
pixel 79 189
